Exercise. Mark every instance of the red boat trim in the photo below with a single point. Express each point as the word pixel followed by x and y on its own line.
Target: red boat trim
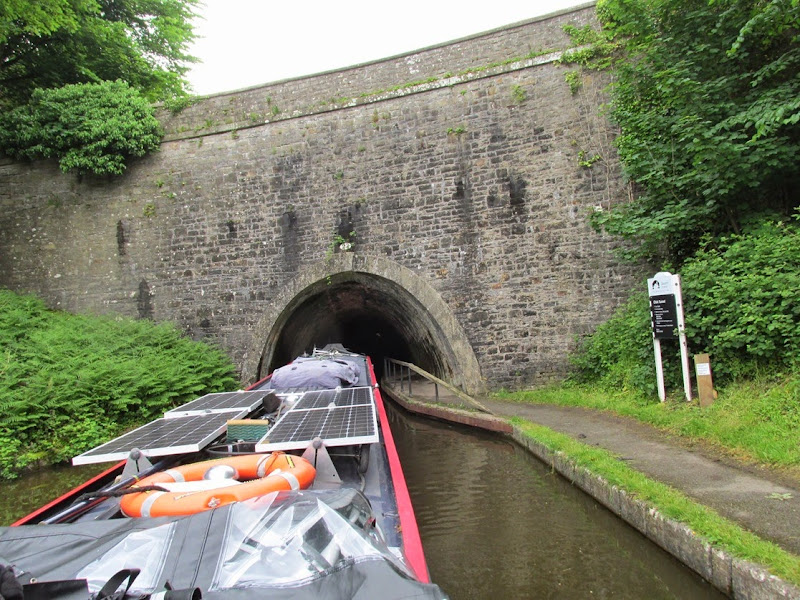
pixel 412 543
pixel 257 383
pixel 70 494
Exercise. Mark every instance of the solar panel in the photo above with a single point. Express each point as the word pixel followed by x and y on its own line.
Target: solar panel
pixel 342 397
pixel 220 402
pixel 340 417
pixel 163 437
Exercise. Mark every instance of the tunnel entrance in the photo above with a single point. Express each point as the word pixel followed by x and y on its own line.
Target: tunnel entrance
pixel 369 304
pixel 366 314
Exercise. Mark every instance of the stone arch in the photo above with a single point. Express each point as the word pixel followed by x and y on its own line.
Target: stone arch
pixel 372 305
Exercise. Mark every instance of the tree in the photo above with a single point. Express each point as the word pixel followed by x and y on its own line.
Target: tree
pixel 707 99
pixel 50 43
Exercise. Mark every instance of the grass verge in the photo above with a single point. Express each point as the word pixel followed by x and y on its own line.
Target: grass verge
pixel 705 522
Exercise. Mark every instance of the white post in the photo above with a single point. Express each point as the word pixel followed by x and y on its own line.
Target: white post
pixel 662 393
pixel 687 382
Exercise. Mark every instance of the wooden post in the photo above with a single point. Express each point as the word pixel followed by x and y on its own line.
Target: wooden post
pixel 705 386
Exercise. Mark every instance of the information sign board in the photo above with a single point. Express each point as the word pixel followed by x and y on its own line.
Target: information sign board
pixel 664 316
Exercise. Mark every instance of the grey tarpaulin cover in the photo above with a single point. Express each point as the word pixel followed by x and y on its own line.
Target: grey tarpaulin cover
pixel 299 545
pixel 315 373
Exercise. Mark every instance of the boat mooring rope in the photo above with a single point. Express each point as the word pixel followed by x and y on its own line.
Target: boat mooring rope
pixel 120 493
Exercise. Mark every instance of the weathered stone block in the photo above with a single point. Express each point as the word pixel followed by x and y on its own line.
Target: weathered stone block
pixel 753 582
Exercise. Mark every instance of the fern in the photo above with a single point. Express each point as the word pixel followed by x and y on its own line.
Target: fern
pixel 70 382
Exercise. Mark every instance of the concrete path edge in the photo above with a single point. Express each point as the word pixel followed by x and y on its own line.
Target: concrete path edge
pixel 737 578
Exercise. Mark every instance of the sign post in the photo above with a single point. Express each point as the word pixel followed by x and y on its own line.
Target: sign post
pixel 666 315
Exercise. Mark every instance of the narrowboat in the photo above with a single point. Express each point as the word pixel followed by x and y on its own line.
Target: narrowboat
pixel 291 488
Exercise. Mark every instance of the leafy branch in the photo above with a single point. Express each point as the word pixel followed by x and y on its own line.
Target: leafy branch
pixel 707 101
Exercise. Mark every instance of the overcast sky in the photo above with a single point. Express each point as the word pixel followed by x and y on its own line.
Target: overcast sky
pixel 249 42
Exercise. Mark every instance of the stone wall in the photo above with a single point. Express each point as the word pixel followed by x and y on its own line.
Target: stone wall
pixel 459 164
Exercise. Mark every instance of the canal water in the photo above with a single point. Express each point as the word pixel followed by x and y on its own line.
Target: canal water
pixel 496 523
pixel 22 496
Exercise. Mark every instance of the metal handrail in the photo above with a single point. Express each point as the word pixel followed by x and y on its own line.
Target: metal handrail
pixel 400 370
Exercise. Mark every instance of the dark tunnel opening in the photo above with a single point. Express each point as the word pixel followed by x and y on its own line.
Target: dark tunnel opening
pixel 365 314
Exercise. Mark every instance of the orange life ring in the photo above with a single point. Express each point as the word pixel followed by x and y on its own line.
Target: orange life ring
pixel 268 472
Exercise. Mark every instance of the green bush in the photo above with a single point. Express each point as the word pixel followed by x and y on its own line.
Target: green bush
pixel 707 101
pixel 619 354
pixel 89 128
pixel 741 300
pixel 70 382
pixel 740 304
